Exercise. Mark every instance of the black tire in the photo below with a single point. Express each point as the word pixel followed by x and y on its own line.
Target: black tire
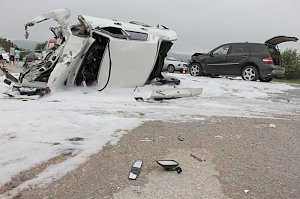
pixel 266 79
pixel 171 68
pixel 250 73
pixel 215 76
pixel 195 69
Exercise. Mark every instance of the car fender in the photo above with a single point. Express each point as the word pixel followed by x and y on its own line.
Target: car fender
pixel 195 62
pixel 251 61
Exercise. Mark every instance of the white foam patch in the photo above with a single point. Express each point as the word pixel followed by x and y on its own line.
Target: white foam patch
pixel 34 131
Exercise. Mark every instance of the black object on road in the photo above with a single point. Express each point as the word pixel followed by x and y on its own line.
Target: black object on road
pixel 135 169
pixel 195 157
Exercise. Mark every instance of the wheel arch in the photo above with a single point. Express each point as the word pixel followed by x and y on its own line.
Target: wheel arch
pixel 171 68
pixel 195 62
pixel 249 64
pixel 200 68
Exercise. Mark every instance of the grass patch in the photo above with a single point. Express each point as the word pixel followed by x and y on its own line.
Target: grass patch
pixel 294 81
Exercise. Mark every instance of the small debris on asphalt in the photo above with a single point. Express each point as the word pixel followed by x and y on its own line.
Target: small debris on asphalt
pixel 76 139
pixel 139 99
pixel 180 138
pixel 246 190
pixel 196 158
pixel 272 126
pixel 238 136
pixel 68 151
pixel 146 140
pixel 136 89
pixel 54 101
pixel 219 136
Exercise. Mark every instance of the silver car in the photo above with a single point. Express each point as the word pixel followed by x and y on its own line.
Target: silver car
pixel 5 55
pixel 171 65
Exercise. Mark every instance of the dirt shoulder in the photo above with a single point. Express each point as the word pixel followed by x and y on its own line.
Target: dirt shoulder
pixel 13 68
pixel 238 154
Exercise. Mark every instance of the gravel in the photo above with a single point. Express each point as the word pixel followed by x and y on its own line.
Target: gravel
pixel 241 158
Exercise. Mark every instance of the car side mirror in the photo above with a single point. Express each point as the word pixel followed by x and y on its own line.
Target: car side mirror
pixel 170 165
pixel 210 54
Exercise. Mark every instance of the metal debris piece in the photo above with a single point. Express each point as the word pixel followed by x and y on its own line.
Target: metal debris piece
pixel 272 126
pixel 219 137
pixel 196 158
pixel 76 139
pixel 174 93
pixel 139 99
pixel 180 138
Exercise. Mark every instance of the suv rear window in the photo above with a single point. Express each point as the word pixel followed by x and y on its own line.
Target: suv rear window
pixel 258 48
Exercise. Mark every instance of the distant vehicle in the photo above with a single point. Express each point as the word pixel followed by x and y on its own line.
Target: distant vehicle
pixel 5 55
pixel 252 61
pixel 32 57
pixel 171 65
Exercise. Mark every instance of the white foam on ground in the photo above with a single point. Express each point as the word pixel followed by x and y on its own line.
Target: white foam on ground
pixel 36 130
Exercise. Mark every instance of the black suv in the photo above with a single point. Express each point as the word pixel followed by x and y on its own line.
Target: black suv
pixel 252 61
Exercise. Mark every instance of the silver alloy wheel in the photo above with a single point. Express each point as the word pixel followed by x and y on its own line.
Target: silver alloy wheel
pixel 195 70
pixel 249 74
pixel 171 69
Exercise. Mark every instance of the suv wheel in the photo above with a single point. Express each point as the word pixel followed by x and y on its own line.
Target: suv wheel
pixel 195 69
pixel 171 68
pixel 250 73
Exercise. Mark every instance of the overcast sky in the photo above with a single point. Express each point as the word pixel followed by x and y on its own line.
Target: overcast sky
pixel 200 25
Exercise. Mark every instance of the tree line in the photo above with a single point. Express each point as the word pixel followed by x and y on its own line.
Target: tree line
pixel 7 44
pixel 291 62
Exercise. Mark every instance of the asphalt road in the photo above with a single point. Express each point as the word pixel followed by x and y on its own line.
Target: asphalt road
pixel 241 158
pixel 12 68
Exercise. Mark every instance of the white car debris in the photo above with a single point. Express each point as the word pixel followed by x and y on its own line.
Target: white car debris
pixel 174 93
pixel 96 52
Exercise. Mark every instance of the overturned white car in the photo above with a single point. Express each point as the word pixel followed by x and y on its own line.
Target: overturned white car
pixel 96 52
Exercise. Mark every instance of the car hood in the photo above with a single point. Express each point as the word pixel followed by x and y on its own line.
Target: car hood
pixel 280 39
pixel 197 54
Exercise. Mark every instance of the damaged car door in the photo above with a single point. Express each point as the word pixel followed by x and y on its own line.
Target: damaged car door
pixel 72 55
pixel 216 61
pixel 127 63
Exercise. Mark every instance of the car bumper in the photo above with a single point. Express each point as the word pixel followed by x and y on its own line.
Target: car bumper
pixel 278 72
pixel 181 68
pixel 273 70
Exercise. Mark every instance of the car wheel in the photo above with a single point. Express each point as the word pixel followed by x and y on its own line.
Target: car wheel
pixel 171 68
pixel 250 73
pixel 195 69
pixel 265 79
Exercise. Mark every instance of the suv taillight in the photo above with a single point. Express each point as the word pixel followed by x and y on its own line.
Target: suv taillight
pixel 268 60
